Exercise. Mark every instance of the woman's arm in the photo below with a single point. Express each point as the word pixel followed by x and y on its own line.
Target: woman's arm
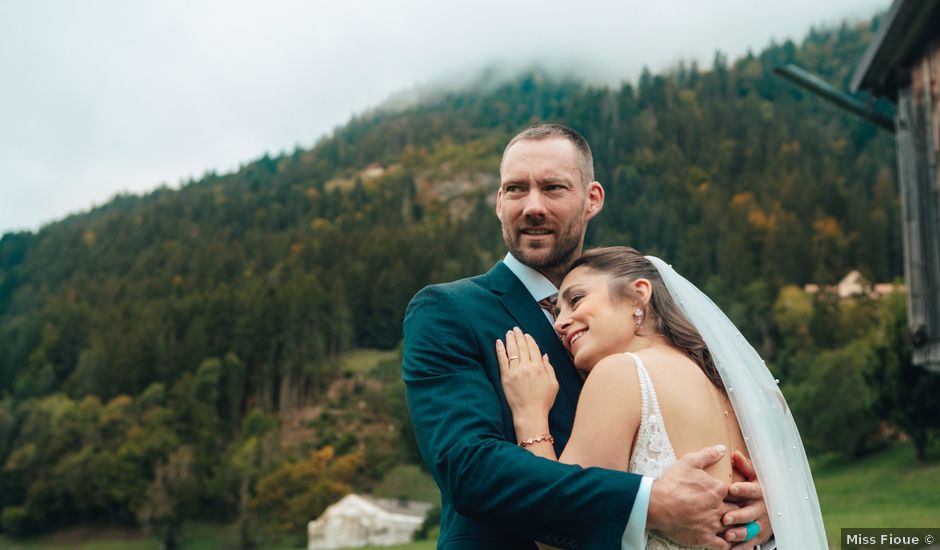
pixel 607 417
pixel 608 410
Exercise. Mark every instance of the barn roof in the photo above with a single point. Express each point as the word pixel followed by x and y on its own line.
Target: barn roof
pixel 401 506
pixel 901 38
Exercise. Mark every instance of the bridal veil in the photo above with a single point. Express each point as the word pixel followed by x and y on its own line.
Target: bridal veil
pixel 769 430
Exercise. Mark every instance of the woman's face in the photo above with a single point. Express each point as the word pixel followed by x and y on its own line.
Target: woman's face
pixel 590 321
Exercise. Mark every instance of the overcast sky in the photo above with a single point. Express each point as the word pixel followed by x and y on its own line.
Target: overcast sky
pixel 99 97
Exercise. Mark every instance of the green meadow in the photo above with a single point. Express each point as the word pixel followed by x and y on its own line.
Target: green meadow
pixel 886 489
pixel 198 536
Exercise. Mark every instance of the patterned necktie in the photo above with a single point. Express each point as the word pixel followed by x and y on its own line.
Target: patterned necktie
pixel 548 304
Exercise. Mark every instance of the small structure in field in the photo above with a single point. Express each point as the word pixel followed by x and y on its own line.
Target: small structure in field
pixel 361 520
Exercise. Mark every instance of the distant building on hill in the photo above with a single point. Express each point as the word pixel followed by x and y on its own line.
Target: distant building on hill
pixel 903 64
pixel 855 284
pixel 361 520
pixel 372 171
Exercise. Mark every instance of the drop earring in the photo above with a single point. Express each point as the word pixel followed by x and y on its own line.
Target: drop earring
pixel 638 313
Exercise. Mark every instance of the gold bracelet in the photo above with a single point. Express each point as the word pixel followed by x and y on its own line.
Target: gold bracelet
pixel 539 438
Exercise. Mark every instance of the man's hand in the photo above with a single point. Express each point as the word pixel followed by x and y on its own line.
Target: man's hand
pixel 751 498
pixel 686 504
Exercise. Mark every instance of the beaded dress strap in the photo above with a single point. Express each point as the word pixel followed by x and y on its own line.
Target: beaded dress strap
pixel 647 390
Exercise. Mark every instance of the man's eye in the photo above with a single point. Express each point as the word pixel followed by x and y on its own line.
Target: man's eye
pixel 512 189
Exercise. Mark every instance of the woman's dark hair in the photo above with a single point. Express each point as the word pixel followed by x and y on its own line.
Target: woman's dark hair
pixel 625 265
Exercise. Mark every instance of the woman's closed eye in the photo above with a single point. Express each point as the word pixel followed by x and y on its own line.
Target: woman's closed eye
pixel 572 303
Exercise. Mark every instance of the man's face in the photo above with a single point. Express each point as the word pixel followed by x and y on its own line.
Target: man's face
pixel 542 203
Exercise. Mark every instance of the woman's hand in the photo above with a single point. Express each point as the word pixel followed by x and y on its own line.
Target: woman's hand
pixel 528 381
pixel 751 496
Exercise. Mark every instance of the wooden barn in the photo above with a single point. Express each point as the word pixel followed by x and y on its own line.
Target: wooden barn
pixel 903 64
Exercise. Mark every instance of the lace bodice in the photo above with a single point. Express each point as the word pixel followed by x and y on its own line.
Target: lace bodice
pixel 653 453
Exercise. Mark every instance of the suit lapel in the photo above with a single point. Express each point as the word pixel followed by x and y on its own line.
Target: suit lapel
pixel 529 316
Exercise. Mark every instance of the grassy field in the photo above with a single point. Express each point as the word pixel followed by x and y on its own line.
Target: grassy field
pixel 365 359
pixel 423 545
pixel 887 489
pixel 197 536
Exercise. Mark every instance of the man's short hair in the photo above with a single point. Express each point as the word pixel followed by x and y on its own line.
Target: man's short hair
pixel 545 131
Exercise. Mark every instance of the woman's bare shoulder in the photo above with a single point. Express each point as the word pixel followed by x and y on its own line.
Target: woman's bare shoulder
pixel 607 417
pixel 619 367
pixel 669 364
pixel 613 379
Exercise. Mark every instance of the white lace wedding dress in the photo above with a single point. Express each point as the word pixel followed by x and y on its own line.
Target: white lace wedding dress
pixel 653 453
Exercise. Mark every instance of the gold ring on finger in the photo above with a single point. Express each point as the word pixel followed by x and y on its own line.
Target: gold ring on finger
pixel 511 357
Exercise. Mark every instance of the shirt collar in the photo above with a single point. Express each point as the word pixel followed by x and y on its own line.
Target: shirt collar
pixel 536 283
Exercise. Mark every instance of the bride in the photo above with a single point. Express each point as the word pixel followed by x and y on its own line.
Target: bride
pixel 666 373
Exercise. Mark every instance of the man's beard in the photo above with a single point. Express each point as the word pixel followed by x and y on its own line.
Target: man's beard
pixel 562 251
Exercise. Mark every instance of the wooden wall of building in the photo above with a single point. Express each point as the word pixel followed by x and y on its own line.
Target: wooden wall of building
pixel 918 135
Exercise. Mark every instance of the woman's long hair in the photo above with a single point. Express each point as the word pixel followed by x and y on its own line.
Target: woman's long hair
pixel 625 265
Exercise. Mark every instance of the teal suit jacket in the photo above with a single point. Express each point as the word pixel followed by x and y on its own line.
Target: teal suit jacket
pixel 496 495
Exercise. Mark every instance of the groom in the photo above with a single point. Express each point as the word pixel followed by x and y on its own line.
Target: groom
pixel 495 494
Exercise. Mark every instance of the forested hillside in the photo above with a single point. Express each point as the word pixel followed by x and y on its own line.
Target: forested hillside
pixel 150 348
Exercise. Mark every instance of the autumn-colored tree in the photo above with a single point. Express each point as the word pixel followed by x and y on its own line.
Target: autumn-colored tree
pixel 298 492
